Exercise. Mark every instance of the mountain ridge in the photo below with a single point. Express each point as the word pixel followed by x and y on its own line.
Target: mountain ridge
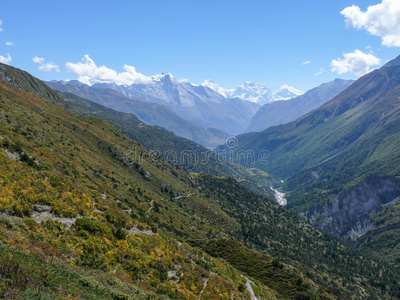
pixel 282 112
pixel 150 113
pixel 255 92
pixel 195 103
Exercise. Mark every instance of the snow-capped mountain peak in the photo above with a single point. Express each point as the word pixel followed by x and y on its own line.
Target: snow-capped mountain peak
pixel 286 92
pixel 253 92
pixel 163 77
pixel 212 85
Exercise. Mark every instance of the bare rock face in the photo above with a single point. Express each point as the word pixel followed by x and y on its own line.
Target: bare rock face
pixel 41 208
pixel 347 216
pixel 42 213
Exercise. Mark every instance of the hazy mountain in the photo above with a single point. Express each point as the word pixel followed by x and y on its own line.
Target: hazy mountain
pixel 149 112
pixel 255 92
pixel 198 104
pixel 220 90
pixel 286 92
pixel 282 112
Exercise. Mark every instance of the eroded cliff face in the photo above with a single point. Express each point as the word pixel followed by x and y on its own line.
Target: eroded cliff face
pixel 347 216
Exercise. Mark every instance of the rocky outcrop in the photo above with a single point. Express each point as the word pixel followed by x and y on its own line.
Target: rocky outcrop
pixel 42 208
pixel 347 216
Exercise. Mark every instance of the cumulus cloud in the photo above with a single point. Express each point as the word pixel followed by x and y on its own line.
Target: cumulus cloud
pixel 48 67
pixel 5 59
pixel 38 60
pixel 357 62
pixel 307 62
pixel 9 44
pixel 381 20
pixel 45 67
pixel 88 72
pixel 320 72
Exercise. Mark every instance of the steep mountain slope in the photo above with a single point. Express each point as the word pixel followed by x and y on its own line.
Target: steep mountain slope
pixel 86 197
pixel 25 81
pixel 282 112
pixel 384 238
pixel 66 198
pixel 350 214
pixel 180 151
pixel 198 104
pixel 333 148
pixel 150 113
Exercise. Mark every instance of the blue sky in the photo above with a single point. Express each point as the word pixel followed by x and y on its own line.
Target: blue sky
pixel 228 42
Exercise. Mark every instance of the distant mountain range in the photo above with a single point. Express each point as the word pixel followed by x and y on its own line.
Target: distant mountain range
pixel 198 104
pixel 255 92
pixel 148 112
pixel 206 105
pixel 282 112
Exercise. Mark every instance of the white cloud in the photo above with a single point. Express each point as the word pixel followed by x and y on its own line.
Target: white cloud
pixel 307 62
pixel 5 59
pixel 88 72
pixel 38 60
pixel 381 20
pixel 9 44
pixel 320 72
pixel 48 67
pixel 1 23
pixel 45 67
pixel 357 62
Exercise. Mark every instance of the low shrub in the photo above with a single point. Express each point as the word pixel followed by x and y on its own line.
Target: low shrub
pixel 93 227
